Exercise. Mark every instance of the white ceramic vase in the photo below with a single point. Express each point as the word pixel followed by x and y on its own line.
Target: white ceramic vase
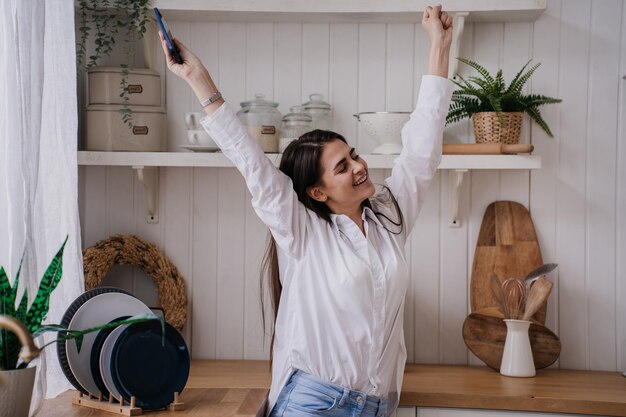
pixel 16 389
pixel 517 359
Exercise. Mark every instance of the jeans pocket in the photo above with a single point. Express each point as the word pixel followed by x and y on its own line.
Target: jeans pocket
pixel 310 400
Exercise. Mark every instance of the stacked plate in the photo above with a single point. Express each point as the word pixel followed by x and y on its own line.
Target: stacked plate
pixel 135 360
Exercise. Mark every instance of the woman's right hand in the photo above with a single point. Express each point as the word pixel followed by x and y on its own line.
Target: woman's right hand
pixel 193 71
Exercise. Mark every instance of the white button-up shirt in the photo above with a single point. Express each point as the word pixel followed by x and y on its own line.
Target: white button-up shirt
pixel 341 308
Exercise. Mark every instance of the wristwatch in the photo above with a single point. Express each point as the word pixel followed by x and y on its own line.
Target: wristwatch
pixel 216 96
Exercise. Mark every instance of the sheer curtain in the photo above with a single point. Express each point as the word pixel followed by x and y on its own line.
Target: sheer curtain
pixel 38 152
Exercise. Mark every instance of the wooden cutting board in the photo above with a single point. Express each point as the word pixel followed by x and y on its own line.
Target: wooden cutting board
pixel 507 246
pixel 485 335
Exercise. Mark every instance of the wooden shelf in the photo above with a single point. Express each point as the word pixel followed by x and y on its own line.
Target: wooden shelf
pixel 355 11
pixel 218 160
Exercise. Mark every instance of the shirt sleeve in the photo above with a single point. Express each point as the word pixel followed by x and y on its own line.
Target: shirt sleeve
pixel 422 138
pixel 273 197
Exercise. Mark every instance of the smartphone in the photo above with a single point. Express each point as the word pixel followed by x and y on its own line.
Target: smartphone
pixel 169 39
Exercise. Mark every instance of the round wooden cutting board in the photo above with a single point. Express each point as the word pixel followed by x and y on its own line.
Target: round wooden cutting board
pixel 485 335
pixel 507 246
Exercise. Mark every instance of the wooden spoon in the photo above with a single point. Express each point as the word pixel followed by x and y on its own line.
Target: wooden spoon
pixel 539 292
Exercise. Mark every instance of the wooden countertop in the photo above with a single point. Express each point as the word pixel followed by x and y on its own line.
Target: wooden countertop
pixel 229 388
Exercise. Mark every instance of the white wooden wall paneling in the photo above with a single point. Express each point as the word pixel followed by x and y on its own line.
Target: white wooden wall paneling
pixel 570 214
pixel 230 267
pixel 600 183
pixel 544 182
pixel 425 258
pixel 315 59
pixel 343 94
pixel 287 65
pixel 371 77
pixel 621 207
pixel 204 296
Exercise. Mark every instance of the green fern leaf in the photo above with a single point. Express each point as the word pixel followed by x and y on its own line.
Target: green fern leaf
pixel 481 70
pixel 515 88
pixel 39 308
pixel 534 114
pixel 515 80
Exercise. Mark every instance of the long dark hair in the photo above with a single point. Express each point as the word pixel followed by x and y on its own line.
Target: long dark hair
pixel 301 161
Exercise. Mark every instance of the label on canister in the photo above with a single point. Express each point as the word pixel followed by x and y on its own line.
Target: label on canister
pixel 267 136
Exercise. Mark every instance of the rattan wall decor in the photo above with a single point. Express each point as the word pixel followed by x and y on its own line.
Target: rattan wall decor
pixel 131 250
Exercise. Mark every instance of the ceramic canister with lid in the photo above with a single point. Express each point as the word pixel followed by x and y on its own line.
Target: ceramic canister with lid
pixel 319 111
pixel 262 119
pixel 295 124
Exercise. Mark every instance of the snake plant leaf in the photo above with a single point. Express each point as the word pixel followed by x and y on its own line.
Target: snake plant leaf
pixel 21 311
pixel 77 335
pixel 7 303
pixel 17 281
pixel 41 304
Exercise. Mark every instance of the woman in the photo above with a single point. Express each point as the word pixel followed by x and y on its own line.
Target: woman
pixel 336 259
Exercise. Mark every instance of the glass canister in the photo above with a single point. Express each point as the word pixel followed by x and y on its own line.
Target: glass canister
pixel 295 124
pixel 262 119
pixel 319 111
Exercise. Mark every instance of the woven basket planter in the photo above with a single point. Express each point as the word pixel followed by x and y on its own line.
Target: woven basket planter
pixel 487 128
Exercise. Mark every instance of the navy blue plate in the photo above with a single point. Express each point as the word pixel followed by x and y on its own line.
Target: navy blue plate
pixel 96 348
pixel 144 367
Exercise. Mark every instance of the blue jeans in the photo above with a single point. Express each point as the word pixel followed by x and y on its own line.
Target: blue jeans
pixel 308 395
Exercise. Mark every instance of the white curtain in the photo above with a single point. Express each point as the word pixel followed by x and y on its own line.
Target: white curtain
pixel 38 152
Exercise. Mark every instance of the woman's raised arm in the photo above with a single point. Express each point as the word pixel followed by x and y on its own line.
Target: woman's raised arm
pixel 273 197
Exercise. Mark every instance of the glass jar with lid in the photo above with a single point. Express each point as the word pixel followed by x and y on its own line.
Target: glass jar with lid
pixel 262 119
pixel 295 124
pixel 319 111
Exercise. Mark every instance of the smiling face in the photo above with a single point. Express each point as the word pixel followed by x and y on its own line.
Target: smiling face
pixel 344 182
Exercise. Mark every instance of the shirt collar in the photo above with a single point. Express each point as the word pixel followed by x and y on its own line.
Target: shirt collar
pixel 341 219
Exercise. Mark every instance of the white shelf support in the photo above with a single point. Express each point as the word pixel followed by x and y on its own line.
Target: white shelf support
pixel 455 181
pixel 149 178
pixel 458 25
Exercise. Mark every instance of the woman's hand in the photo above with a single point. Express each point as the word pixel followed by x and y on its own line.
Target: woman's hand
pixel 438 26
pixel 193 71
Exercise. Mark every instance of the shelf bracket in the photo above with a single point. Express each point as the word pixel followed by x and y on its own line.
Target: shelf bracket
pixel 149 178
pixel 458 25
pixel 455 181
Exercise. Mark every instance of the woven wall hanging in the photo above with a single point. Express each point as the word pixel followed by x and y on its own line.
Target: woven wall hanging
pixel 131 250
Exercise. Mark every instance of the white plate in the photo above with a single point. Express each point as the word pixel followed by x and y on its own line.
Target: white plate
pixel 98 310
pixel 105 361
pixel 200 148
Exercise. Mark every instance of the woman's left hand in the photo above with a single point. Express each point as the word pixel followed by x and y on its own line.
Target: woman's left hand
pixel 438 26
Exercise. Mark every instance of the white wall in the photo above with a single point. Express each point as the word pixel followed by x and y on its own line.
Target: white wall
pixel 210 232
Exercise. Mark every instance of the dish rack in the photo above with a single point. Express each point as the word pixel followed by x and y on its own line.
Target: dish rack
pixel 120 407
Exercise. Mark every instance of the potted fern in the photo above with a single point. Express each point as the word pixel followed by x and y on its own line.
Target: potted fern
pixel 20 325
pixel 495 109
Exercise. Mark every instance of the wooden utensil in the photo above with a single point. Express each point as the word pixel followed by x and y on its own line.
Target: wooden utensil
pixel 485 148
pixel 507 246
pixel 539 293
pixel 484 335
pixel 537 273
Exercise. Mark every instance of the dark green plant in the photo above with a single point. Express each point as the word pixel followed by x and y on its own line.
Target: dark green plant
pixel 106 20
pixel 32 316
pixel 487 93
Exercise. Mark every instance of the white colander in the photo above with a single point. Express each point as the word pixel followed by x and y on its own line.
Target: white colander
pixel 385 128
